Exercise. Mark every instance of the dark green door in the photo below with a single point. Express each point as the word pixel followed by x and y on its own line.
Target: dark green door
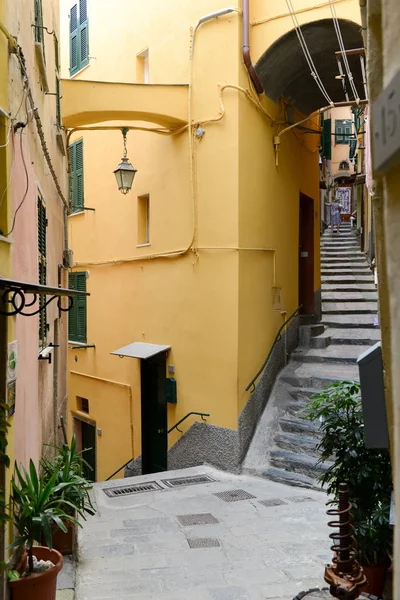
pixel 89 445
pixel 154 414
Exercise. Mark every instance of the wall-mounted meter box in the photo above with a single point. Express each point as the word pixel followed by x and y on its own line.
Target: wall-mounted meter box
pixel 170 390
pixel 370 364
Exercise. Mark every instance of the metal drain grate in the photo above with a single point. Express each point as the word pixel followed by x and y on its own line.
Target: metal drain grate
pixel 272 502
pixel 126 490
pixel 203 543
pixel 181 481
pixel 300 499
pixel 200 519
pixel 234 495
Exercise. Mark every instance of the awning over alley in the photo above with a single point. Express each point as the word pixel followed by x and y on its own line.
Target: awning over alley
pixel 89 102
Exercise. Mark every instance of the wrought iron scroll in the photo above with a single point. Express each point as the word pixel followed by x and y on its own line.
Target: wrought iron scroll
pixel 17 298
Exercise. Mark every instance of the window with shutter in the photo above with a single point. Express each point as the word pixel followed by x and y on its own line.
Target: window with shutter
pixel 343 129
pixel 42 269
pixel 56 52
pixel 79 37
pixel 76 170
pixel 77 314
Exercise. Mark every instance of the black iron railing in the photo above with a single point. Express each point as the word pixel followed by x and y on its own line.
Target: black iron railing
pixel 277 338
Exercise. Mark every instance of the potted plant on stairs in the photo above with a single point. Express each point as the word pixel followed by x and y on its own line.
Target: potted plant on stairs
pixel 367 473
pixel 35 507
pixel 75 497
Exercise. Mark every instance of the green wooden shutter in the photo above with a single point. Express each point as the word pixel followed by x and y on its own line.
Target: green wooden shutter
pixel 58 102
pixel 83 34
pixel 339 134
pixel 38 21
pixel 76 170
pixel 73 40
pixel 77 314
pixel 56 52
pixel 326 141
pixel 347 133
pixel 79 195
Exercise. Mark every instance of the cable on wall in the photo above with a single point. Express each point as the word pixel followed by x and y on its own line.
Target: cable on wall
pixel 26 189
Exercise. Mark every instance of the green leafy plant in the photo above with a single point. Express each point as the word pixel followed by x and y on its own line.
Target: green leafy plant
pixel 35 507
pixel 69 466
pixel 367 472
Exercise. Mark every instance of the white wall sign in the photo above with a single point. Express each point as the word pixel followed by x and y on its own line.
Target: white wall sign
pixel 386 127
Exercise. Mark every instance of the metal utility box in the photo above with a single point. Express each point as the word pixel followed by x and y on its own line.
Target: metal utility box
pixel 370 366
pixel 170 390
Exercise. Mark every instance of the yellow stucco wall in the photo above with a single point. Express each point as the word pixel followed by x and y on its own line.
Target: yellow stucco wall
pixel 213 306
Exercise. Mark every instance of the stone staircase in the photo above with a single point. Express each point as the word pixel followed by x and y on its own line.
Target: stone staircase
pixel 284 445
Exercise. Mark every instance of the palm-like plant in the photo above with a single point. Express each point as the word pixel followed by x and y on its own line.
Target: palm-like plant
pixel 69 465
pixel 36 507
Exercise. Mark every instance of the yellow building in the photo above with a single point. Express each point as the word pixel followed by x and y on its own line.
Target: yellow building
pixel 199 263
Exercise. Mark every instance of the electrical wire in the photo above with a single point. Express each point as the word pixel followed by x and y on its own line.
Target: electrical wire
pixel 11 174
pixel 26 190
pixel 306 52
pixel 343 51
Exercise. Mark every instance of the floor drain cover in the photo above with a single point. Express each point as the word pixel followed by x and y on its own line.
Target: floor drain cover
pixel 203 543
pixel 127 490
pixel 201 519
pixel 300 499
pixel 234 495
pixel 272 502
pixel 182 481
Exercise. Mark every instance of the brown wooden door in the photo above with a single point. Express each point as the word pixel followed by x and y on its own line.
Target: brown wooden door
pixel 306 255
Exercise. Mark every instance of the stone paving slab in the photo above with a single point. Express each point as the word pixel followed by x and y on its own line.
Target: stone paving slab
pixel 265 552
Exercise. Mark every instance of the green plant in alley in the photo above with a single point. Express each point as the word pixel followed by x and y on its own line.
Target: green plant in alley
pixel 69 468
pixel 36 506
pixel 367 472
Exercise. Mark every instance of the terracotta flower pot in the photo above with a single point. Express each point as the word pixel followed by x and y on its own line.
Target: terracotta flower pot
pixel 376 577
pixel 38 586
pixel 64 542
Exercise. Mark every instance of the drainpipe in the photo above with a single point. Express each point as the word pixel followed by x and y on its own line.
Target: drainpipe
pixel 363 10
pixel 246 49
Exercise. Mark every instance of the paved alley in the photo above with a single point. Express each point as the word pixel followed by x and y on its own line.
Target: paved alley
pixel 215 536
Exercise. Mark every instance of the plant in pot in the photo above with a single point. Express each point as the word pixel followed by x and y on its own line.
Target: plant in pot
pixel 367 473
pixel 35 507
pixel 74 496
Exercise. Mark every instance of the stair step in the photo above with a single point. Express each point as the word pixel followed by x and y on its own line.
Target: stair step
pixel 352 321
pixel 293 425
pixel 346 278
pixel 348 353
pixel 303 394
pixel 345 269
pixel 342 258
pixel 288 478
pixel 320 342
pixel 298 443
pixel 296 409
pixel 299 463
pixel 352 288
pixel 357 336
pixel 318 376
pixel 344 308
pixel 336 296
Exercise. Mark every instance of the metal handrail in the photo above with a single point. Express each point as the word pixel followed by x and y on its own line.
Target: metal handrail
pixel 277 338
pixel 202 415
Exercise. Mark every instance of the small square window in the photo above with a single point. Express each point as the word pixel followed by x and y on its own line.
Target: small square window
pixel 143 219
pixel 82 404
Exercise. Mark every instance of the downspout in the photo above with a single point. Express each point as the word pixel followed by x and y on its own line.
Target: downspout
pixel 363 11
pixel 246 48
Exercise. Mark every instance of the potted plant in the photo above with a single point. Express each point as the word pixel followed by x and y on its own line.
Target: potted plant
pixel 74 497
pixel 35 507
pixel 367 473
